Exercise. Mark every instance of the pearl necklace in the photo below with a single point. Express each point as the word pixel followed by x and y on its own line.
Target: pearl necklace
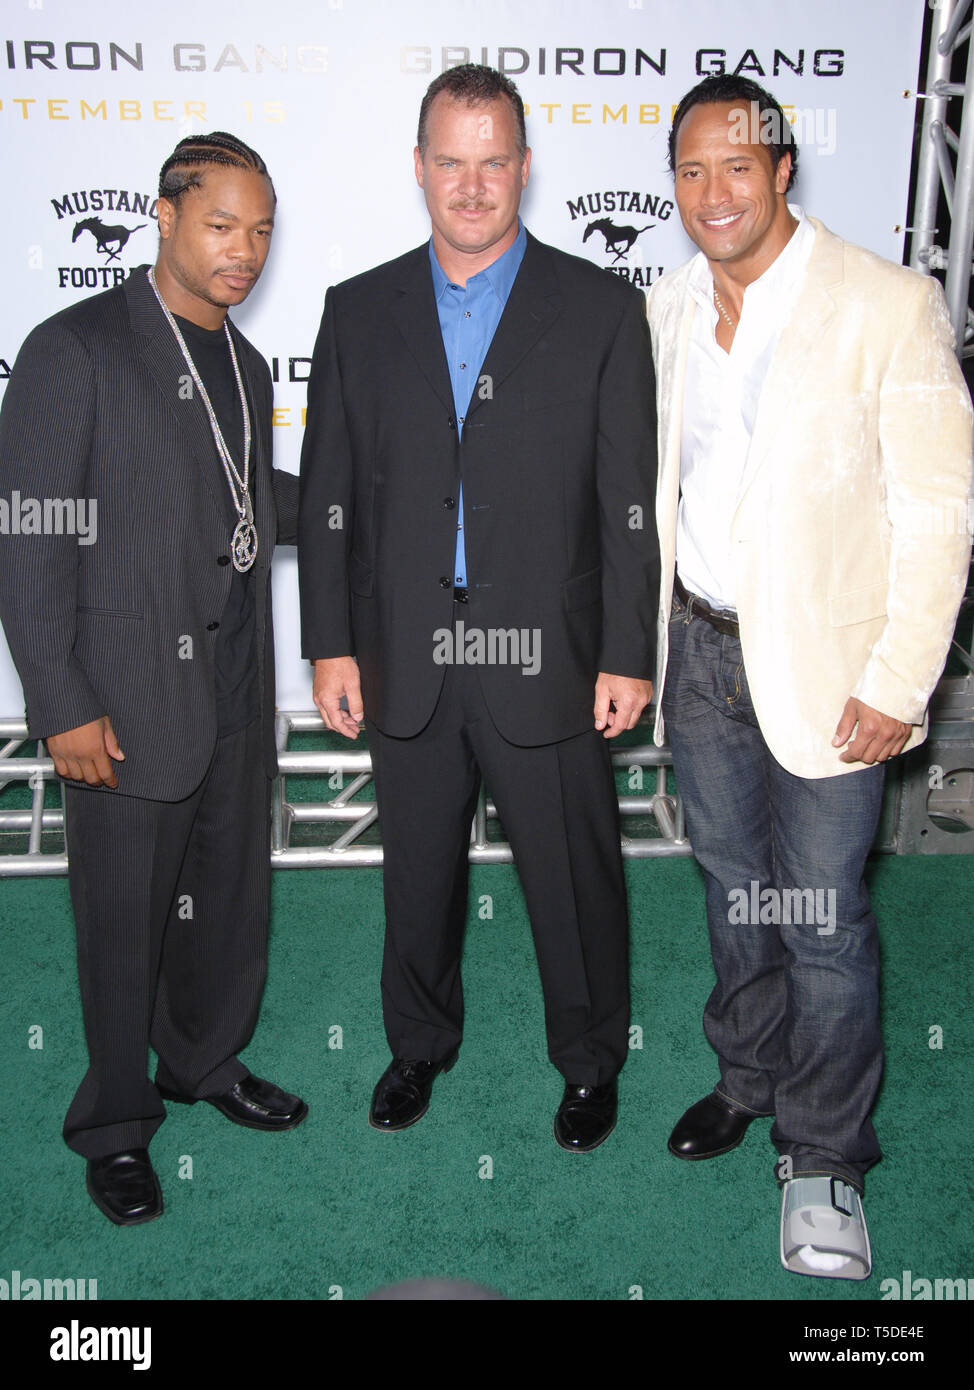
pixel 720 306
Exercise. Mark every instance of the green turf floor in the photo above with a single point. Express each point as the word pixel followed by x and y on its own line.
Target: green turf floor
pixel 479 1190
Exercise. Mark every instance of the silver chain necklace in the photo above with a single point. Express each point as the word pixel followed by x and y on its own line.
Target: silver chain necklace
pixel 243 544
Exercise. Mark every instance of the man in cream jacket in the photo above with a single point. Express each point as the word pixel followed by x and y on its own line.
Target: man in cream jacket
pixel 815 466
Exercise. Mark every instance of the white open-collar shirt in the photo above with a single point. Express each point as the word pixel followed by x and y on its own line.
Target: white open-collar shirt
pixel 720 402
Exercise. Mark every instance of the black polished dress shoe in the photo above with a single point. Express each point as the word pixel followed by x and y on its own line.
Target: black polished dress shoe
pixel 713 1126
pixel 124 1186
pixel 586 1116
pixel 402 1093
pixel 253 1102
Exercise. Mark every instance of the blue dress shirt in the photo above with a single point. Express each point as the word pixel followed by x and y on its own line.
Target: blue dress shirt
pixel 468 320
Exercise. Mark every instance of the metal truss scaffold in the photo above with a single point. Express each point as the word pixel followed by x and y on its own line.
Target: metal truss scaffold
pixel 36 821
pixel 938 177
pixel 664 809
pixel 353 771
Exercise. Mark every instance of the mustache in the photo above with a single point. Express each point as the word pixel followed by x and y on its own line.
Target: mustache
pixel 472 207
pixel 238 271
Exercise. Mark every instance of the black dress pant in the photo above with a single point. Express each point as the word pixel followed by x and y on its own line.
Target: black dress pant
pixel 171 907
pixel 558 806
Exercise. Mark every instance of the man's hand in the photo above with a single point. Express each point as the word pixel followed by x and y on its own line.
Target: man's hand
pixel 878 737
pixel 84 754
pixel 334 677
pixel 630 697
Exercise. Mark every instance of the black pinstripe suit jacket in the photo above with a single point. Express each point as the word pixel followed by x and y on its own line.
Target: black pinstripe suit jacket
pixel 98 408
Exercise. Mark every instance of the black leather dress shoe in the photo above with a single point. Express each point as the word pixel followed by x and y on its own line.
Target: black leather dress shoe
pixel 402 1094
pixel 586 1116
pixel 124 1186
pixel 252 1102
pixel 713 1126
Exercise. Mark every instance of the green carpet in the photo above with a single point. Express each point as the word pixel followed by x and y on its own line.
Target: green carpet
pixel 334 1206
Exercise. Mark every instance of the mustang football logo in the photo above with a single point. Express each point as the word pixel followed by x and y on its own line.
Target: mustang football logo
pixel 96 211
pixel 620 238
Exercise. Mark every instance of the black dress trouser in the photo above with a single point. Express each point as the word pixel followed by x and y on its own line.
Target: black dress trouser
pixel 558 806
pixel 171 909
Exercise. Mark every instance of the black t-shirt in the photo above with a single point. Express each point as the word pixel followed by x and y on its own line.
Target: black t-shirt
pixel 237 695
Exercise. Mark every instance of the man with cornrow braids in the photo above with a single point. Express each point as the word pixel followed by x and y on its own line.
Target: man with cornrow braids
pixel 147 663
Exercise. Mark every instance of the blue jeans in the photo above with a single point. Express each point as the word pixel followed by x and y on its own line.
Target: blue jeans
pixel 794 1015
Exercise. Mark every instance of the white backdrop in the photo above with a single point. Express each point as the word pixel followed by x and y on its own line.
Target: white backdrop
pixel 93 98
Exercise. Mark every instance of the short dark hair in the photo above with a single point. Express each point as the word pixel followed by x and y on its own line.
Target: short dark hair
pixel 725 87
pixel 472 83
pixel 185 167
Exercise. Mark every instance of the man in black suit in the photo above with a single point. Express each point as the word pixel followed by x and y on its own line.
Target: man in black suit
pixel 147 660
pixel 478 571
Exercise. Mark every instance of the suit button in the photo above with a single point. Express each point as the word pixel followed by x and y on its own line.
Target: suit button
pixel 449 503
pixel 445 583
pixel 212 627
pixel 451 422
pixel 223 559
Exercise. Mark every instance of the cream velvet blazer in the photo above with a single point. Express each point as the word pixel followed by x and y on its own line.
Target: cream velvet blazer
pixel 850 532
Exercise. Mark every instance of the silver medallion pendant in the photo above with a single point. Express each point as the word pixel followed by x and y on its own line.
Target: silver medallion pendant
pixel 243 546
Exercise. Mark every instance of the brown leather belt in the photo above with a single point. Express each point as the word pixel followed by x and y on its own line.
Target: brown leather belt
pixel 723 622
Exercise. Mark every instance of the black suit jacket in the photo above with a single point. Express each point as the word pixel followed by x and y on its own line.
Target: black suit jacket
pixel 98 408
pixel 558 461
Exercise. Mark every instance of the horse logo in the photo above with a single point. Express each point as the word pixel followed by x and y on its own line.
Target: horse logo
pixel 107 237
pixel 618 240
